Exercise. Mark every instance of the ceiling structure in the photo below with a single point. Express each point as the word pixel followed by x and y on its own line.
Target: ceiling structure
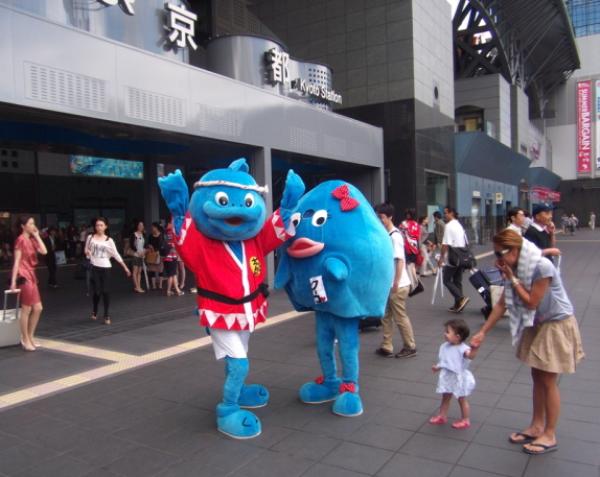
pixel 530 42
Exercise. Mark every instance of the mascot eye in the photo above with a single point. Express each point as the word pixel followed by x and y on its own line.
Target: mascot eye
pixel 249 200
pixel 296 219
pixel 319 218
pixel 221 198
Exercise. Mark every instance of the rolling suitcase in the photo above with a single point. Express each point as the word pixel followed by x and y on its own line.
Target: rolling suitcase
pixel 482 281
pixel 10 331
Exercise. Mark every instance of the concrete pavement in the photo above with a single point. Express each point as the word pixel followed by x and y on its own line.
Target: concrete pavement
pixel 158 418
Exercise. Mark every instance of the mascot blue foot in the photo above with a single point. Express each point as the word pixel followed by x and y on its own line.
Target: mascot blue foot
pixel 253 396
pixel 236 422
pixel 320 391
pixel 348 404
pixel 231 420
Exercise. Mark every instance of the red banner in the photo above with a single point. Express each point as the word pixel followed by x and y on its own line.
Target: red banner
pixel 584 127
pixel 543 194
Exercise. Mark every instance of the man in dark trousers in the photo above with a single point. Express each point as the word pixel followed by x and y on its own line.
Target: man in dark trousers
pixel 542 231
pixel 50 242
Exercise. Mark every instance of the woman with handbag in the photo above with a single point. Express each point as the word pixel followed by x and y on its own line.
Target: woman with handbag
pixel 137 250
pixel 170 260
pixel 100 248
pixel 156 246
pixel 27 246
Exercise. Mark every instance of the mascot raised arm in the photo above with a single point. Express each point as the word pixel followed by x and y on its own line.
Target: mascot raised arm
pixel 223 235
pixel 340 265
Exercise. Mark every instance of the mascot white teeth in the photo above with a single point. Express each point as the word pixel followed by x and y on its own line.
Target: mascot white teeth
pixel 223 235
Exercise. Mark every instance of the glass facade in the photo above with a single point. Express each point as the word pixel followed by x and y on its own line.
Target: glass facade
pixel 585 15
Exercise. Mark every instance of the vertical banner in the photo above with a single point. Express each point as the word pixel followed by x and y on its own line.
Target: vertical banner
pixel 584 127
pixel 598 124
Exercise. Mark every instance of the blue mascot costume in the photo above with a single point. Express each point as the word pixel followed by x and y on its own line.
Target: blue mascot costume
pixel 340 265
pixel 223 235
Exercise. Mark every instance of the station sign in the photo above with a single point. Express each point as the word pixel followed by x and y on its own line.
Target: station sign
pixel 278 71
pixel 180 23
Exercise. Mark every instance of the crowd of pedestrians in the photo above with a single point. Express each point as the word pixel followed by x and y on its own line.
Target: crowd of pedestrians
pixel 153 260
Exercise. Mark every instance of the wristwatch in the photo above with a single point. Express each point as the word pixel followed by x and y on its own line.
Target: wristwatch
pixel 515 281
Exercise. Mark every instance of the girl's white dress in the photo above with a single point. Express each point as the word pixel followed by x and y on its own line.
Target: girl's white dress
pixel 454 375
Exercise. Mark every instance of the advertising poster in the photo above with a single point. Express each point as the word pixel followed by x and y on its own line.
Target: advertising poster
pixel 584 127
pixel 104 167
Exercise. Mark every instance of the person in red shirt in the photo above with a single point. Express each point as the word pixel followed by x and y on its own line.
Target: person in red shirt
pixel 27 246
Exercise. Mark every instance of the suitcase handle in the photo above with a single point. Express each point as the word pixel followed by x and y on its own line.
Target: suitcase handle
pixel 17 307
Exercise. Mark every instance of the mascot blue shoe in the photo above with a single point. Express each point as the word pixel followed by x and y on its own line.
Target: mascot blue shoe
pixel 340 265
pixel 320 390
pixel 253 396
pixel 222 234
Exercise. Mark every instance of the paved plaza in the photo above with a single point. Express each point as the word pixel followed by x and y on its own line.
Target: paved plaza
pixel 138 398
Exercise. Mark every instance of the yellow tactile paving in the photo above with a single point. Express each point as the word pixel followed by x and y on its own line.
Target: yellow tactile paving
pixel 18 396
pixel 122 362
pixel 88 351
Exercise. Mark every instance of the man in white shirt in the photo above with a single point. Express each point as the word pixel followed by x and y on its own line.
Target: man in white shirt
pixel 454 237
pixel 396 305
pixel 516 220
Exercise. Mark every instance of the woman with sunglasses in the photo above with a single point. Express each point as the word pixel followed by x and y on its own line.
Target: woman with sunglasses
pixel 543 328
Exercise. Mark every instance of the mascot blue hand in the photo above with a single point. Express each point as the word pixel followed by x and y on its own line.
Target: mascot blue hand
pixel 293 191
pixel 336 269
pixel 175 193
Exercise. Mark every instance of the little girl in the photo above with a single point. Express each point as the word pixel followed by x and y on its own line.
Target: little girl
pixel 454 378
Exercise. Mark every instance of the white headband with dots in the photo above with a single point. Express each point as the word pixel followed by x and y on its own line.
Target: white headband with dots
pixel 256 188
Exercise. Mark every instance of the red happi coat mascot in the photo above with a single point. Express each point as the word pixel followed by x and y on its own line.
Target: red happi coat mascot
pixel 223 235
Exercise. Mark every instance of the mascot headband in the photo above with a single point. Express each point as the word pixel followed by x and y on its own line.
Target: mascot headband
pixel 256 188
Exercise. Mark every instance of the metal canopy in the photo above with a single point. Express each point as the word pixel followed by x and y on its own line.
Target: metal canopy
pixel 530 42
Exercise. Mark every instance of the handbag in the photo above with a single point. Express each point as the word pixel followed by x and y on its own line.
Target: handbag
pixel 10 331
pixel 462 257
pixel 416 286
pixel 152 258
pixel 60 257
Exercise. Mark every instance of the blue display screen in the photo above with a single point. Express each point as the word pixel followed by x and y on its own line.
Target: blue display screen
pixel 104 167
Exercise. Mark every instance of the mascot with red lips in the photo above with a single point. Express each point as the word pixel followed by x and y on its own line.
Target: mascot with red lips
pixel 340 265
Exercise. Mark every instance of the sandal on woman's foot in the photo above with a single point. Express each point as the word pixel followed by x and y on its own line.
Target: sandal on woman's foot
pixel 180 292
pixel 94 317
pixel 525 438
pixel 27 347
pixel 461 424
pixel 107 320
pixel 438 420
pixel 543 448
pixel 169 293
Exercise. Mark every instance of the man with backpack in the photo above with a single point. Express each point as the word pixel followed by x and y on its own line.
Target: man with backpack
pixel 454 238
pixel 396 306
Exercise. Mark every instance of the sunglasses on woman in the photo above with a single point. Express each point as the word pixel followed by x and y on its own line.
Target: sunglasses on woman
pixel 502 253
